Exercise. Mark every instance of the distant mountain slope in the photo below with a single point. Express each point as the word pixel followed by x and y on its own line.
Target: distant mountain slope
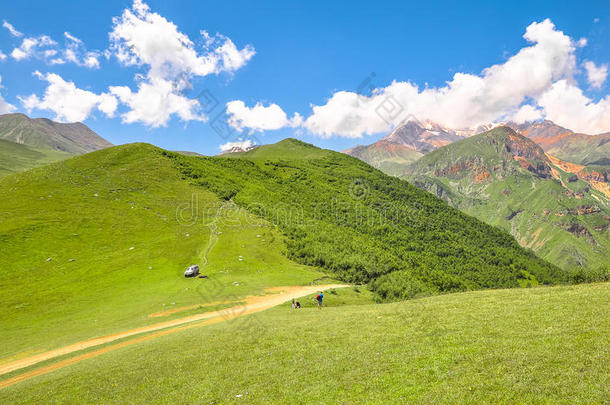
pixel 388 157
pixel 16 158
pixel 507 180
pixel 422 136
pixel 42 133
pixel 26 143
pixel 567 145
pixel 405 144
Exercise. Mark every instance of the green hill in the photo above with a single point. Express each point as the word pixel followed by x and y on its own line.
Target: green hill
pixel 26 143
pixel 94 244
pixel 583 149
pixel 534 346
pixel 340 214
pixel 390 158
pixel 16 158
pixel 102 240
pixel 507 180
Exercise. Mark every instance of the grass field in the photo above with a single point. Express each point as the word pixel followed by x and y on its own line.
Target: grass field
pixel 97 244
pixel 16 158
pixel 536 345
pixel 95 251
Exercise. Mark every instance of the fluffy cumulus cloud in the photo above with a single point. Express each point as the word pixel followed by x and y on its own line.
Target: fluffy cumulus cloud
pixel 33 47
pixel 524 88
pixel 245 144
pixel 143 38
pixel 596 75
pixel 43 47
pixel 466 101
pixel 527 113
pixel 259 117
pixel 5 107
pixel 69 103
pixel 566 105
pixel 154 103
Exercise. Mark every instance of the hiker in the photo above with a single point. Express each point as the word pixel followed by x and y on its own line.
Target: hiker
pixel 298 305
pixel 294 306
pixel 320 297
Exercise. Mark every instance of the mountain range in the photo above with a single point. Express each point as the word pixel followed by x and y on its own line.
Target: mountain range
pixel 545 184
pixel 566 144
pixel 29 142
pixel 414 138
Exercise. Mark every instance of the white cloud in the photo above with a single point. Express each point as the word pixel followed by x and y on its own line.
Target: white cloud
pixel 143 38
pixel 238 144
pixel 5 107
pixel 231 57
pixel 32 46
pixel 11 29
pixel 2 56
pixel 45 48
pixel 582 42
pixel 76 53
pixel 259 117
pixel 154 103
pixel 69 103
pixel 72 38
pixel 566 105
pixel 527 113
pixel 464 102
pixel 596 75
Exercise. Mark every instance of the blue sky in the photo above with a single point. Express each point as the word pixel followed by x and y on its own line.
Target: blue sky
pixel 452 63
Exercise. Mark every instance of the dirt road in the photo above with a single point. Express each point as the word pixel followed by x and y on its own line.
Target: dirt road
pixel 251 304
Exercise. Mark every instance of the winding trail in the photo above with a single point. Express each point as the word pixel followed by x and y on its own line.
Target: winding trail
pixel 251 304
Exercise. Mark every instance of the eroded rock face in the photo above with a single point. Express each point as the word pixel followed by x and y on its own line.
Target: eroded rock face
pixel 576 229
pixel 530 156
pixel 585 210
pixel 602 176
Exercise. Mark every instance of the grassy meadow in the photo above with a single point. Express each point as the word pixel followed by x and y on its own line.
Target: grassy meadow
pixel 95 251
pixel 535 345
pixel 15 158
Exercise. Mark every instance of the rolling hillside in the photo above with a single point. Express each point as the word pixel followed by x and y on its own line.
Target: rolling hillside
pixel 508 181
pixel 16 158
pixel 567 145
pixel 98 242
pixel 26 143
pixel 340 214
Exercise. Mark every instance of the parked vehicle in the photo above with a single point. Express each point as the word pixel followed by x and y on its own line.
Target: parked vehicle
pixel 192 271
